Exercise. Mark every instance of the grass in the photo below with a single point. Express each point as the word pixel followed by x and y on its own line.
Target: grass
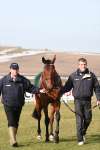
pixel 28 130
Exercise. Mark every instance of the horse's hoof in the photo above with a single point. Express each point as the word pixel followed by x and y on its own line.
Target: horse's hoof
pixel 39 137
pixel 47 140
pixel 51 137
pixel 56 139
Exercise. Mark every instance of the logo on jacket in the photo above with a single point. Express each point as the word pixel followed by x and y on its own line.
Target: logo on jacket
pixel 86 76
pixel 7 85
pixel 76 79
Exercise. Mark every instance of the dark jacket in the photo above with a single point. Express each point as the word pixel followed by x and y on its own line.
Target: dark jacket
pixel 13 91
pixel 82 84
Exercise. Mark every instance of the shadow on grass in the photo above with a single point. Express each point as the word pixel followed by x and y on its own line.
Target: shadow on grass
pixel 27 144
pixel 68 139
pixel 90 139
pixel 95 138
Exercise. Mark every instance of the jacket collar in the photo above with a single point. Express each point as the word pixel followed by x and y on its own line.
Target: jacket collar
pixel 18 78
pixel 79 72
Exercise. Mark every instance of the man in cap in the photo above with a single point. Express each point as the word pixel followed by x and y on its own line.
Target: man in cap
pixel 13 87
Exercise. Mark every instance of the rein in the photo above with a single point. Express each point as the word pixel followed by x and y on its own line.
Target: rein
pixel 73 111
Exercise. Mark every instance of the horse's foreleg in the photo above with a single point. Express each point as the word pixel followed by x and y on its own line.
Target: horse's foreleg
pixel 47 120
pixel 39 127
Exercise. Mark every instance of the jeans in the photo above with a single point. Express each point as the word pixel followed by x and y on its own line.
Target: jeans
pixel 83 117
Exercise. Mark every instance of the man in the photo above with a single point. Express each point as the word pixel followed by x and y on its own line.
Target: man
pixel 83 83
pixel 13 87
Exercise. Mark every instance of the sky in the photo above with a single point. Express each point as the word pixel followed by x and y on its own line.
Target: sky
pixel 54 24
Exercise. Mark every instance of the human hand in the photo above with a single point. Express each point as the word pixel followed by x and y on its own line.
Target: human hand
pixel 98 103
pixel 42 91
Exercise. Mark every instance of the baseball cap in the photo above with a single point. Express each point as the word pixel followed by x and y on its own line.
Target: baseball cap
pixel 14 66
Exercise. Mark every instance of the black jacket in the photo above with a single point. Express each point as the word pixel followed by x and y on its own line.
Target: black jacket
pixel 82 84
pixel 13 91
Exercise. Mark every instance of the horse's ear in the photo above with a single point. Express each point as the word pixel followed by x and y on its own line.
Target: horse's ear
pixel 43 60
pixel 53 61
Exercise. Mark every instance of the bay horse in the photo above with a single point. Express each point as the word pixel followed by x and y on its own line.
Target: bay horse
pixel 51 82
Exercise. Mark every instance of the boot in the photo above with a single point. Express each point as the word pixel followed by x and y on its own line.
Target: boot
pixel 12 134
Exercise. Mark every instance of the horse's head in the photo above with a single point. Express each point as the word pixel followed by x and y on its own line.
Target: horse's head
pixel 48 73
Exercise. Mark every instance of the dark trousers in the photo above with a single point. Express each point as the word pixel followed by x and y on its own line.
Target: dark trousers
pixel 83 117
pixel 13 115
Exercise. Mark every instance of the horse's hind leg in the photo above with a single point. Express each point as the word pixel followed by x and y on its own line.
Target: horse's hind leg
pixel 37 114
pixel 47 120
pixel 56 137
pixel 39 128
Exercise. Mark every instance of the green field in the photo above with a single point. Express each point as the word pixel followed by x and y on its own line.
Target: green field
pixel 28 127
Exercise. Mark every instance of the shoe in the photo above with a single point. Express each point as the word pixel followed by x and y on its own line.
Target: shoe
pixel 15 145
pixel 80 143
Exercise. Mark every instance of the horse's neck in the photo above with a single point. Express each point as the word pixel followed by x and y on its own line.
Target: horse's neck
pixel 42 81
pixel 57 80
